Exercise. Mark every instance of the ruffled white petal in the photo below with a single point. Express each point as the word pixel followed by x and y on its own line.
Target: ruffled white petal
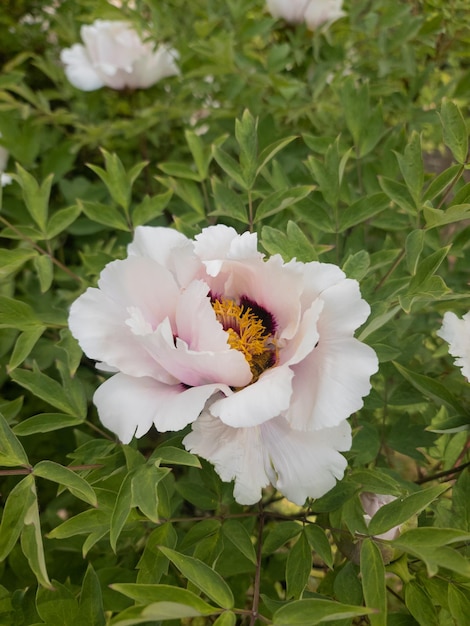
pixel 129 406
pixel 290 10
pixel 79 68
pixel 457 334
pixel 268 397
pixel 320 11
pixel 152 67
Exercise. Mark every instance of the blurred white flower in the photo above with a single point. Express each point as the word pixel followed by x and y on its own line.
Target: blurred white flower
pixel 4 178
pixel 371 503
pixel 457 334
pixel 259 355
pixel 113 55
pixel 313 12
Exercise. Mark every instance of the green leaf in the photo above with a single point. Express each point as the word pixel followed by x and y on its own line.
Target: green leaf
pixel 45 271
pixel 454 130
pixel 319 543
pixel 17 314
pixel 429 387
pixel 413 247
pixel 411 166
pixel 247 139
pixel 146 594
pixel 292 244
pixel 431 537
pixel 363 210
pixel 31 542
pixel 57 605
pixel 205 578
pixel 202 156
pixel 373 582
pixel 187 190
pixel 280 534
pixel 121 510
pixel 153 565
pixel 45 388
pixel 357 265
pixel 237 534
pixel 87 522
pixel 115 178
pixel 24 345
pixel 402 509
pixel 180 170
pixel 270 151
pixel 280 200
pixel 104 214
pixel 229 165
pixel 145 481
pixel 376 481
pixel 36 197
pixel 156 612
pixel 298 567
pixel 454 213
pixel 91 611
pixel 13 260
pixel 459 603
pixel 19 501
pixel 398 193
pixel 442 181
pixel 68 478
pixel 150 208
pixel 12 452
pixel 227 618
pixel 314 611
pixel 61 220
pixel 228 202
pixel 45 423
pixel 420 605
pixel 169 455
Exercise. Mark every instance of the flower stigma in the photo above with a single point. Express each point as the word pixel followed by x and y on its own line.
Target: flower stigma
pixel 247 334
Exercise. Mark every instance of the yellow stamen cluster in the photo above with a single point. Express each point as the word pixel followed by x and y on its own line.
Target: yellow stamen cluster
pixel 247 334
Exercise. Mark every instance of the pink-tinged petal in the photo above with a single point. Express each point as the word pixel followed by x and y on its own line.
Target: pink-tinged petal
pixel 109 322
pixel 304 464
pixel 79 69
pixel 192 368
pixel 217 243
pixel 236 453
pixel 169 248
pixel 457 334
pixel 306 339
pixel 330 382
pixel 316 278
pixel 268 397
pixel 129 406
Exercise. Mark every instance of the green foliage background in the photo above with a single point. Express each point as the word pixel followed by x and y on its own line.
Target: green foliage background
pixel 348 145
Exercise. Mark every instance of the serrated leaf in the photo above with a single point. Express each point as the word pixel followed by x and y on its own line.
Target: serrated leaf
pixel 205 578
pixel 313 611
pixel 77 485
pixel 236 532
pixel 298 567
pixel 402 509
pixel 454 130
pixel 12 452
pixel 19 501
pixel 373 582
pixel 146 594
pixel 24 345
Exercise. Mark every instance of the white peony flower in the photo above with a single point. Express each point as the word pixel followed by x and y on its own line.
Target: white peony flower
pixel 371 503
pixel 259 355
pixel 114 55
pixel 313 12
pixel 457 334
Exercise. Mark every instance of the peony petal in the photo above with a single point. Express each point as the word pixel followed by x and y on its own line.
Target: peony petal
pixel 457 334
pixel 330 382
pixel 192 368
pixel 129 406
pixel 236 453
pixel 303 465
pixel 257 403
pixel 79 69
pixel 290 10
pixel 320 11
pixel 217 243
pixel 152 67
